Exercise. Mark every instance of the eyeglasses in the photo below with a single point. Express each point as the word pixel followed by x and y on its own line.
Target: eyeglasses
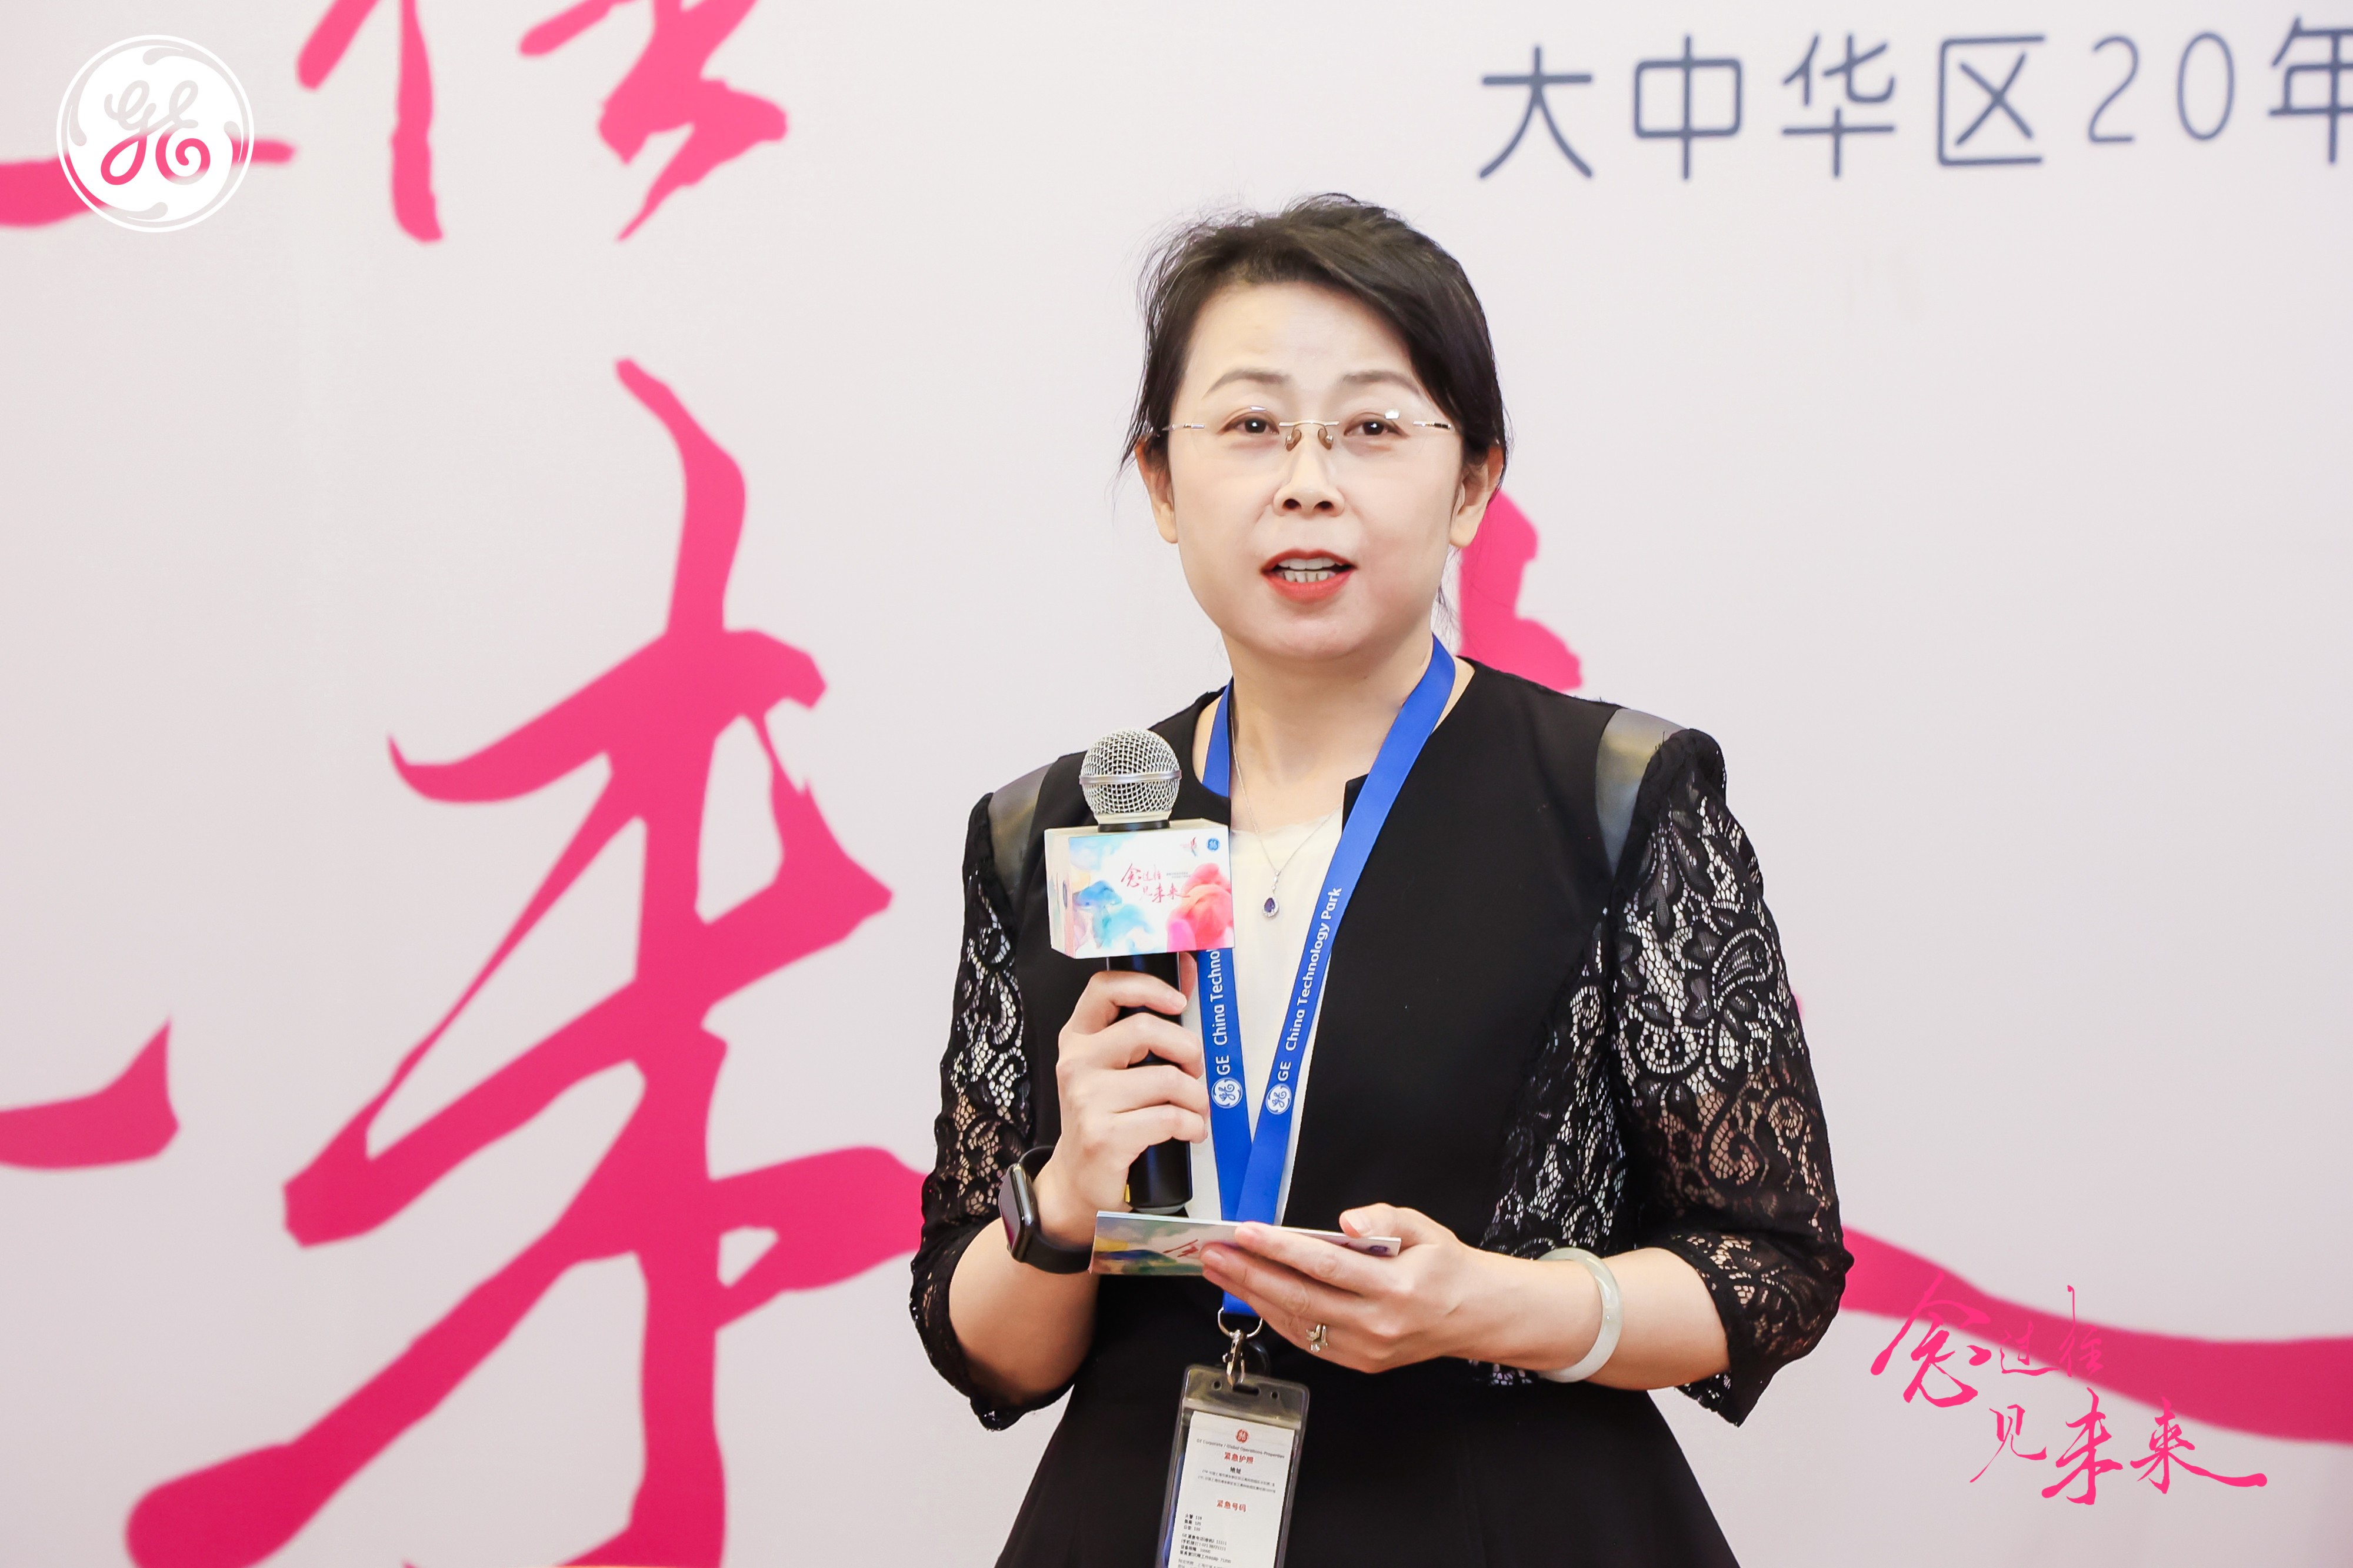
pixel 1254 437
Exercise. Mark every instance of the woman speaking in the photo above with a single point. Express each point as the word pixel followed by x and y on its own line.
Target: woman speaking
pixel 1551 1048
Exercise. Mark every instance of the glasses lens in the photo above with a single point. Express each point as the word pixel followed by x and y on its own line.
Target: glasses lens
pixel 1376 433
pixel 1259 437
pixel 1247 437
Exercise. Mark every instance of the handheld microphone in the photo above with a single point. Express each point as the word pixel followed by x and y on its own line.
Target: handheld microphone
pixel 1130 778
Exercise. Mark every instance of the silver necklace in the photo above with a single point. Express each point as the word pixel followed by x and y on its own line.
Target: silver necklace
pixel 1271 907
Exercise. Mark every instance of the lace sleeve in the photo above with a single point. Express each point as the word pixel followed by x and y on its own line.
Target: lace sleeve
pixel 1728 1161
pixel 985 1116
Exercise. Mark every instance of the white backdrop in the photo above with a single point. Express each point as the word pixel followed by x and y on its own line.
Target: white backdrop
pixel 1993 516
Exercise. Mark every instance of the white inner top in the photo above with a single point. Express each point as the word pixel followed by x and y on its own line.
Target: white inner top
pixel 1266 961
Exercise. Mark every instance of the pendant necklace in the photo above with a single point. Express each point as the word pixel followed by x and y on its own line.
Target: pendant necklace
pixel 1271 907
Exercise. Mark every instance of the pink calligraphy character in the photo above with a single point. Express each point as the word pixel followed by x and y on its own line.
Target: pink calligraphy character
pixel 1933 1311
pixel 129 1119
pixel 2023 1345
pixel 2007 1425
pixel 666 90
pixel 1494 630
pixel 412 150
pixel 2165 1444
pixel 656 719
pixel 2079 1349
pixel 1932 1355
pixel 2091 1430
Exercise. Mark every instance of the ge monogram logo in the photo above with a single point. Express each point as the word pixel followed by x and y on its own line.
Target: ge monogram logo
pixel 154 133
pixel 1226 1094
pixel 1278 1099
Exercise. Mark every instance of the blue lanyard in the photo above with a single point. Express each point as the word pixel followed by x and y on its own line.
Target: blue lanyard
pixel 1249 1168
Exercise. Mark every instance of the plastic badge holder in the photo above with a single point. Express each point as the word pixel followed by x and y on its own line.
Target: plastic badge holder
pixel 1233 1471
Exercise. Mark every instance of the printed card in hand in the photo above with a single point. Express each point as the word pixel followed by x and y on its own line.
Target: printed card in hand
pixel 1156 1244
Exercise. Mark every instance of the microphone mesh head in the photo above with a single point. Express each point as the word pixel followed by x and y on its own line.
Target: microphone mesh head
pixel 1130 776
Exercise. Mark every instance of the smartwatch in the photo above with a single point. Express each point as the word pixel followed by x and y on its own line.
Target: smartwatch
pixel 1017 1201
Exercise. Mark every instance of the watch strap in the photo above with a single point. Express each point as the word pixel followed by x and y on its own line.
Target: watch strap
pixel 1024 1237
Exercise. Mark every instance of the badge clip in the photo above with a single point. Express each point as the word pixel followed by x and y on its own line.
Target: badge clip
pixel 1237 1364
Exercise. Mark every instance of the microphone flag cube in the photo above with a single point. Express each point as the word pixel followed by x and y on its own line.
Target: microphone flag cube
pixel 1154 889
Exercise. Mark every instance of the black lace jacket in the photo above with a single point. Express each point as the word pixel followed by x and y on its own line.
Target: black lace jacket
pixel 1666 1100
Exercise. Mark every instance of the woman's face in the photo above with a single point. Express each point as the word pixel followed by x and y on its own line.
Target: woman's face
pixel 1311 553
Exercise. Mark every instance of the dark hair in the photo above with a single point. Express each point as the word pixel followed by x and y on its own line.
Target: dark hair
pixel 1352 247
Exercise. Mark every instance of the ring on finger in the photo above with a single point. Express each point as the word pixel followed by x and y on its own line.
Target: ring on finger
pixel 1319 1339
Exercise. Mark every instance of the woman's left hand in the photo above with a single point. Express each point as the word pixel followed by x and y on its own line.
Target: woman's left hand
pixel 1376 1313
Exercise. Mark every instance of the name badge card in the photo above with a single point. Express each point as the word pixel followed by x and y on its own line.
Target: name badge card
pixel 1231 1475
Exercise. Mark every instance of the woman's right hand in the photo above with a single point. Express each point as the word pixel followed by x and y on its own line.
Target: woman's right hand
pixel 1113 1110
